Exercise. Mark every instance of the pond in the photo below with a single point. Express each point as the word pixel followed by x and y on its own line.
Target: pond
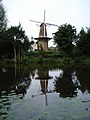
pixel 40 92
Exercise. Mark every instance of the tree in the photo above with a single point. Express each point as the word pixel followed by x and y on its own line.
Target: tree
pixel 3 25
pixel 84 42
pixel 6 48
pixel 64 37
pixel 16 37
pixel 3 19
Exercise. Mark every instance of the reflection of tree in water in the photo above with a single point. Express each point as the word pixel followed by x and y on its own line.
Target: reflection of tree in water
pixel 18 80
pixel 65 86
pixel 83 74
pixel 68 84
pixel 14 83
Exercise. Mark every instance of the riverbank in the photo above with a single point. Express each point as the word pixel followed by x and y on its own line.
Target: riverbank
pixel 48 58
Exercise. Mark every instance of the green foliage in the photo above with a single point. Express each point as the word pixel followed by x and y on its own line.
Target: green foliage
pixel 84 42
pixel 16 33
pixel 46 57
pixel 14 41
pixel 3 19
pixel 76 52
pixel 3 25
pixel 64 37
pixel 86 61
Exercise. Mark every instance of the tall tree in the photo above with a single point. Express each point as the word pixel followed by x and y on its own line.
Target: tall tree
pixel 64 37
pixel 3 18
pixel 3 25
pixel 84 42
pixel 16 37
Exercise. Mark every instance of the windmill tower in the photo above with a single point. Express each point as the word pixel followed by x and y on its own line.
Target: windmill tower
pixel 43 39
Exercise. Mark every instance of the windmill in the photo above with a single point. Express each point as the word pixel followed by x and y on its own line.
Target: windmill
pixel 42 40
pixel 44 77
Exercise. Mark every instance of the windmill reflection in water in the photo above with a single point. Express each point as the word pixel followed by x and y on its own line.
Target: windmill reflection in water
pixel 43 77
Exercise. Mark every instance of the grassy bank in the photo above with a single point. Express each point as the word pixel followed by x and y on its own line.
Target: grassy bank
pixel 49 58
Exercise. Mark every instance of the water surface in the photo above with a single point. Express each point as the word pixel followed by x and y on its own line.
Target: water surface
pixel 44 93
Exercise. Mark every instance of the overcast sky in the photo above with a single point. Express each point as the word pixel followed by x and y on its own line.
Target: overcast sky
pixel 74 12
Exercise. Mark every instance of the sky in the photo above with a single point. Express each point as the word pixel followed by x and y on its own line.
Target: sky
pixel 74 12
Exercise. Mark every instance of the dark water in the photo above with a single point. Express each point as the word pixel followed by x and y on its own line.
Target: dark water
pixel 38 87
